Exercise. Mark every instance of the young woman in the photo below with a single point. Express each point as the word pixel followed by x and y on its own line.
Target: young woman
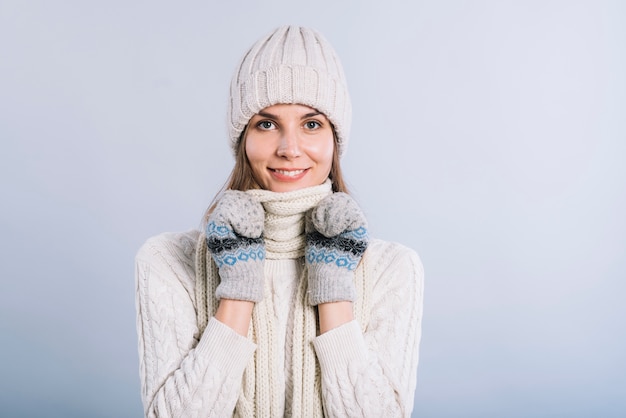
pixel 281 305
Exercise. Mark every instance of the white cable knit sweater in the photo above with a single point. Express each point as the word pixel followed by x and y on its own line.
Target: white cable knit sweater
pixel 185 374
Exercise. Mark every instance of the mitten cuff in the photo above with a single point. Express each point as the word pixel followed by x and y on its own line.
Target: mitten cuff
pixel 330 284
pixel 241 281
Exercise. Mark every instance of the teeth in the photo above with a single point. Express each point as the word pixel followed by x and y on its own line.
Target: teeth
pixel 290 173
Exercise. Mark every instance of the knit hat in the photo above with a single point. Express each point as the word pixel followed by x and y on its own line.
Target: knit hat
pixel 290 65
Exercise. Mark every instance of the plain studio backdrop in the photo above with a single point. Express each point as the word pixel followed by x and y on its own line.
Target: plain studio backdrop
pixel 489 136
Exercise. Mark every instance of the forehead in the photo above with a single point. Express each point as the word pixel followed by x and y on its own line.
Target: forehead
pixel 289 110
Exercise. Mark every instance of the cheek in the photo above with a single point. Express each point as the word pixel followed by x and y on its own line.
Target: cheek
pixel 256 158
pixel 254 151
pixel 325 152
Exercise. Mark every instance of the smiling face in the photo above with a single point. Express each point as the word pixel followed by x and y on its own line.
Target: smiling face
pixel 289 147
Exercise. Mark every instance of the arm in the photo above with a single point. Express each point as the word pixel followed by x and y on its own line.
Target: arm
pixel 182 374
pixel 334 314
pixel 236 314
pixel 373 374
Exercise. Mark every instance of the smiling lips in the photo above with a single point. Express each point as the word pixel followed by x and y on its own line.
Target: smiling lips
pixel 282 174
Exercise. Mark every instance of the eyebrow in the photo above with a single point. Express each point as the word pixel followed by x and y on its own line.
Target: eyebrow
pixel 271 116
pixel 310 115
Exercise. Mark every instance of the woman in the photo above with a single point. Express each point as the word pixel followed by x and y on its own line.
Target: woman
pixel 282 306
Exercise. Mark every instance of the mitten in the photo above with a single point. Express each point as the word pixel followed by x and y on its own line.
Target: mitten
pixel 234 236
pixel 336 238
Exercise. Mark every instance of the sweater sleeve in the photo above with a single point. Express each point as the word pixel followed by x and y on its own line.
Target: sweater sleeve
pixel 373 373
pixel 182 375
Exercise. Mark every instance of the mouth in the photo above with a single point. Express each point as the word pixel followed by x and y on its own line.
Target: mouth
pixel 288 174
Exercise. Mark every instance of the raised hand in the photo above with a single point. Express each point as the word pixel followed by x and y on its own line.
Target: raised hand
pixel 235 239
pixel 336 238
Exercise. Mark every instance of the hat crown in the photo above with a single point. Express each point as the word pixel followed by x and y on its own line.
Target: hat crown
pixel 291 46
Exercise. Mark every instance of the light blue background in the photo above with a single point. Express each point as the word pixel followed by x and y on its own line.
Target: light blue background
pixel 490 136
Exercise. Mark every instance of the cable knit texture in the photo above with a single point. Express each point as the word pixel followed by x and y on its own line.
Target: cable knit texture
pixel 193 365
pixel 284 220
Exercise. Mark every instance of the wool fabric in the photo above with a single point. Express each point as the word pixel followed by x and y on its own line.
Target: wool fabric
pixel 284 218
pixel 193 365
pixel 291 65
pixel 337 237
pixel 284 228
pixel 234 239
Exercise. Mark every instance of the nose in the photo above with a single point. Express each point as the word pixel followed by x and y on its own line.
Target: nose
pixel 289 146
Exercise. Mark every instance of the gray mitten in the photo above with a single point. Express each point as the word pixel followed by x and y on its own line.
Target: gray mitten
pixel 336 238
pixel 235 239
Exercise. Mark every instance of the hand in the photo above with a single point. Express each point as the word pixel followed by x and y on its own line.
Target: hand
pixel 234 236
pixel 336 238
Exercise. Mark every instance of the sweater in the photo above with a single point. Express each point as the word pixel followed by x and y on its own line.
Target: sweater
pixel 185 372
pixel 261 394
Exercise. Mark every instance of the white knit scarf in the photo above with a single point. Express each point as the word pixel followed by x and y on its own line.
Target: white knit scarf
pixel 284 239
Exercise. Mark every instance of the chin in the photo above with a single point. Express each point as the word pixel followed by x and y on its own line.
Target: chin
pixel 288 187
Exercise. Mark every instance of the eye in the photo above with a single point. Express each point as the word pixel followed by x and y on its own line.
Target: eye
pixel 266 125
pixel 312 125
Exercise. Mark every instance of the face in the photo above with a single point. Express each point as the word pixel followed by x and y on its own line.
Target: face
pixel 289 147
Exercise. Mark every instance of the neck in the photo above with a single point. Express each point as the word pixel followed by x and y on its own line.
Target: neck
pixel 284 218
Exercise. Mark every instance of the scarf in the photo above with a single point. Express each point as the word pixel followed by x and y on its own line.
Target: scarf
pixel 284 239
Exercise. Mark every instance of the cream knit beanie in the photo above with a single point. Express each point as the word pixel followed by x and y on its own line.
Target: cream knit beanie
pixel 290 65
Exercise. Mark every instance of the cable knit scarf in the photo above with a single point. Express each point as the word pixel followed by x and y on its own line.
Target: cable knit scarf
pixel 284 239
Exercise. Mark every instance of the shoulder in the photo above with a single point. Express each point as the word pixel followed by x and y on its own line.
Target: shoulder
pixel 383 254
pixel 170 256
pixel 395 263
pixel 169 246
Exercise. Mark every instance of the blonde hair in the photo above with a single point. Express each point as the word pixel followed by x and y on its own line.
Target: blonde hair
pixel 242 177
